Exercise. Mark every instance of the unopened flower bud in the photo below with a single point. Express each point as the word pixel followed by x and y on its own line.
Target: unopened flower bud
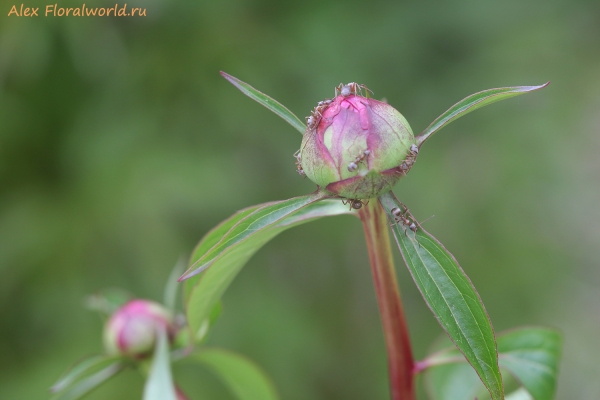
pixel 132 329
pixel 357 147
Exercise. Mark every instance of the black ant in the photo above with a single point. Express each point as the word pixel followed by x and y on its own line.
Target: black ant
pixel 403 216
pixel 352 88
pixel 406 218
pixel 353 165
pixel 317 113
pixel 410 160
pixel 355 203
pixel 325 103
pixel 313 119
pixel 299 168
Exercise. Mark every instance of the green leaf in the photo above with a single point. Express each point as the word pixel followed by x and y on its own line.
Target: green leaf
pixel 244 378
pixel 532 355
pixel 262 217
pixel 213 237
pixel 454 382
pixel 472 103
pixel 519 394
pixel 159 385
pixel 80 369
pixel 170 294
pixel 268 102
pixel 237 239
pixel 460 382
pixel 451 297
pixel 86 376
pixel 529 354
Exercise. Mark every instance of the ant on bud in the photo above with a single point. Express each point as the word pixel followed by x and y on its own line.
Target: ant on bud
pixel 411 158
pixel 355 203
pixel 312 121
pixel 352 88
pixel 353 165
pixel 299 168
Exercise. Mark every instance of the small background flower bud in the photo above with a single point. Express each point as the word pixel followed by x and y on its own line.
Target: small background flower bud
pixel 132 329
pixel 356 146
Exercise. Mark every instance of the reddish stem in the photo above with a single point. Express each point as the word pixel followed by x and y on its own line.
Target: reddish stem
pixel 180 394
pixel 395 330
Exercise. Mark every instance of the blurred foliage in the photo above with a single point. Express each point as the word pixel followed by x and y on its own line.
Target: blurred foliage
pixel 121 145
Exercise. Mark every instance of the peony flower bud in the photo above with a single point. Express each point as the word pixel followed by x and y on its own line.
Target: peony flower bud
pixel 356 147
pixel 132 329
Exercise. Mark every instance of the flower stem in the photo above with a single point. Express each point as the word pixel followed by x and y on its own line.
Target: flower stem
pixel 395 330
pixel 180 394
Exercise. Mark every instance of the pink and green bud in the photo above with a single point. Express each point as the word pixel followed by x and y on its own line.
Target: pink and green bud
pixel 132 329
pixel 356 147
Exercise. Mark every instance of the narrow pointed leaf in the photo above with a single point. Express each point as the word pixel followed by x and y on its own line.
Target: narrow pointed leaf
pixel 217 234
pixel 170 294
pixel 244 378
pixel 247 232
pixel 211 238
pixel 266 215
pixel 159 385
pixel 472 103
pixel 81 369
pixel 531 355
pixel 451 297
pixel 268 102
pixel 81 380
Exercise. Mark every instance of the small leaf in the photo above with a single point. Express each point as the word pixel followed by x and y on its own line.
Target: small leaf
pixel 244 378
pixel 472 103
pixel 86 376
pixel 454 382
pixel 268 102
pixel 531 355
pixel 170 294
pixel 451 297
pixel 159 385
pixel 460 382
pixel 248 231
pixel 520 394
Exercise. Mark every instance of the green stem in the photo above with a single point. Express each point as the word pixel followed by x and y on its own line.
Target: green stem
pixel 395 330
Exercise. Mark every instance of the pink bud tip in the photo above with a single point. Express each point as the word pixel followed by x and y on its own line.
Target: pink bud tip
pixel 132 329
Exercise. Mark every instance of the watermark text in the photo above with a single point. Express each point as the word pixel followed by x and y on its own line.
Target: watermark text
pixel 53 10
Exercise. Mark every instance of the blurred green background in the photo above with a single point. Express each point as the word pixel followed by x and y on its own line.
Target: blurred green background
pixel 120 146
